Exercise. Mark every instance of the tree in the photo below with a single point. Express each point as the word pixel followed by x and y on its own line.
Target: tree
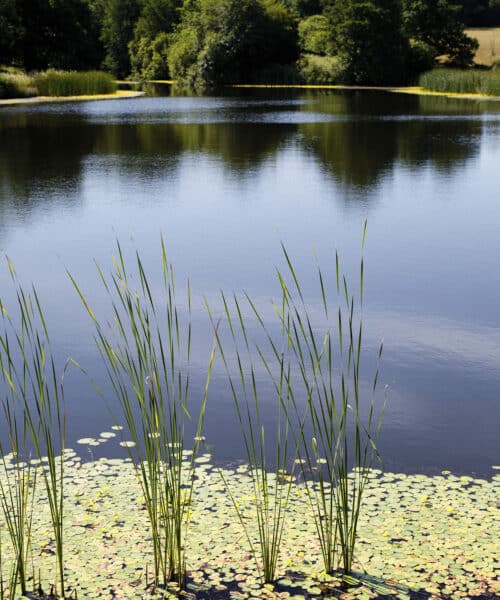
pixel 479 13
pixel 227 41
pixel 11 31
pixel 436 24
pixel 368 40
pixel 304 8
pixel 148 49
pixel 119 20
pixel 57 33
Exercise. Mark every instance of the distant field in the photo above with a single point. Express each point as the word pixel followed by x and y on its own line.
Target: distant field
pixel 489 44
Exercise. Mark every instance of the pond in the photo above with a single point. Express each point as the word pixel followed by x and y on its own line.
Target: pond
pixel 225 180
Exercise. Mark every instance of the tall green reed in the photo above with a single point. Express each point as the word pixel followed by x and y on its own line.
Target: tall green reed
pixel 271 487
pixel 465 81
pixel 337 459
pixel 33 405
pixel 147 356
pixel 72 83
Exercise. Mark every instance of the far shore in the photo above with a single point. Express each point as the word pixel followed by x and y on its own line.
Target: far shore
pixel 395 89
pixel 123 94
pixel 119 95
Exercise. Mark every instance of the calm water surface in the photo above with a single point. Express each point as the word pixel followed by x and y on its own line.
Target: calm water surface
pixel 225 180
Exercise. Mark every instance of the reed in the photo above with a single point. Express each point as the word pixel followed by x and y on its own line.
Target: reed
pixel 33 406
pixel 462 81
pixel 271 486
pixel 72 83
pixel 147 358
pixel 337 458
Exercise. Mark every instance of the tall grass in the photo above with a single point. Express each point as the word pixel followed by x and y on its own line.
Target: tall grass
pixel 34 412
pixel 72 83
pixel 336 460
pixel 271 487
pixel 147 358
pixel 462 81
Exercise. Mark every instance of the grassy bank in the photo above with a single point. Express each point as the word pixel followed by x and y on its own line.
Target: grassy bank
pixel 56 84
pixel 459 81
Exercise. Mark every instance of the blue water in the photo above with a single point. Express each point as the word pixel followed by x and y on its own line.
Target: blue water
pixel 225 180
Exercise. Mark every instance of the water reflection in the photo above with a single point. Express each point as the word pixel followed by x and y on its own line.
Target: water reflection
pixel 226 179
pixel 361 150
pixel 357 137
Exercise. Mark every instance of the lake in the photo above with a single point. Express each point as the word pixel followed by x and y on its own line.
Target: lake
pixel 225 180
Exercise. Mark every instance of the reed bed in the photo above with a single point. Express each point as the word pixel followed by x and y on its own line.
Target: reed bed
pixel 33 406
pixel 325 399
pixel 325 427
pixel 462 81
pixel 69 83
pixel 271 485
pixel 336 461
pixel 147 358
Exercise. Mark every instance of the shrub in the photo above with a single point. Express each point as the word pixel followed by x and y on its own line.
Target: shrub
pixel 320 70
pixel 69 83
pixel 16 85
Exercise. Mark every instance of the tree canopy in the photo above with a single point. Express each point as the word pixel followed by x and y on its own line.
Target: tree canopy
pixel 436 24
pixel 368 38
pixel 206 43
pixel 227 41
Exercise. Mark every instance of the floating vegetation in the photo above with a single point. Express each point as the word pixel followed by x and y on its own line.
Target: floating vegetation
pixel 437 536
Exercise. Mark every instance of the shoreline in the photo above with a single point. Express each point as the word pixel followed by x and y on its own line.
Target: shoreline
pixel 414 90
pixel 119 95
pixel 126 94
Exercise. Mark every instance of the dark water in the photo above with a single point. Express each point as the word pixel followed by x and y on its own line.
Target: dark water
pixel 225 180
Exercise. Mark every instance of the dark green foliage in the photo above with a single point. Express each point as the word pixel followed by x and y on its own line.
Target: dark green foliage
pixel 58 83
pixel 315 35
pixel 421 57
pixel 59 34
pixel 118 24
pixel 459 81
pixel 16 85
pixel 304 8
pixel 479 13
pixel 11 30
pixel 148 57
pixel 148 49
pixel 436 24
pixel 368 40
pixel 228 41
